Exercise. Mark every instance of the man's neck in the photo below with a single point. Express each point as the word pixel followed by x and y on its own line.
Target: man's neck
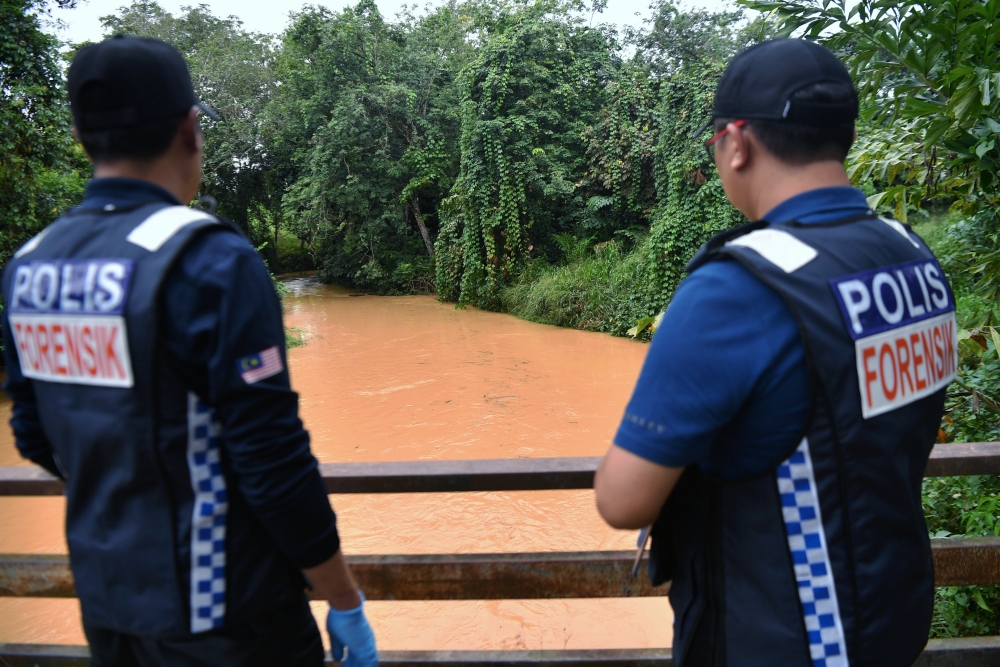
pixel 786 181
pixel 154 172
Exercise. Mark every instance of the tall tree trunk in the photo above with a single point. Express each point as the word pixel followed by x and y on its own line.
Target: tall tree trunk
pixel 415 207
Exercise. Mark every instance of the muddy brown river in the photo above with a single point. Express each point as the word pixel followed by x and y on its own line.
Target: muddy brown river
pixel 408 378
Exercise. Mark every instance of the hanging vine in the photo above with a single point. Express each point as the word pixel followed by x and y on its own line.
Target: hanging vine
pixel 621 148
pixel 527 97
pixel 692 206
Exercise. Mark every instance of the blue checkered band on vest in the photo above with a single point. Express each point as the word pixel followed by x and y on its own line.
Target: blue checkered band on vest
pixel 813 573
pixel 208 526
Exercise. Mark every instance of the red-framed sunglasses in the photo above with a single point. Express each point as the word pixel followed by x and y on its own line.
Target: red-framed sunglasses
pixel 710 143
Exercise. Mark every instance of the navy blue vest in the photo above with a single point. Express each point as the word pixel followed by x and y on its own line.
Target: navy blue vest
pixel 160 541
pixel 824 559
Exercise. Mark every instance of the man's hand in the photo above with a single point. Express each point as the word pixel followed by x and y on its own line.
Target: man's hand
pixel 346 621
pixel 631 490
pixel 350 629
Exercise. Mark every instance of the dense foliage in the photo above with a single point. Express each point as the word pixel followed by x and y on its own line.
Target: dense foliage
pixel 366 124
pixel 966 506
pixel 527 97
pixel 42 171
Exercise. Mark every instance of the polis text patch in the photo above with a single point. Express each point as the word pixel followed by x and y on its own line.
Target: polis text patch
pixel 68 321
pixel 902 320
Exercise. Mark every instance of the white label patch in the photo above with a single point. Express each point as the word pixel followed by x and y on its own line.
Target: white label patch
pixel 899 366
pixel 780 248
pixel 898 226
pixel 73 349
pixel 160 227
pixel 32 244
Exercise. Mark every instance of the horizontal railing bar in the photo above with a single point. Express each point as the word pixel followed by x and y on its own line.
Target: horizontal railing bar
pixel 966 561
pixel 975 458
pixel 552 575
pixel 964 458
pixel 595 574
pixel 958 652
pixel 636 657
pixel 538 474
pixel 28 481
pixel 514 576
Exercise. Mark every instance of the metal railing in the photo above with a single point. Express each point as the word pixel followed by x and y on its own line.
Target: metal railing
pixel 598 574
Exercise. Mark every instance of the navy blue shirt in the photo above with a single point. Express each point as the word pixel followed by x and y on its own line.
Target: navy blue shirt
pixel 724 383
pixel 216 306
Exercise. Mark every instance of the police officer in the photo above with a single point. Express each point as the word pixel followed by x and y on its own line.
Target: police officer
pixel 145 358
pixel 791 397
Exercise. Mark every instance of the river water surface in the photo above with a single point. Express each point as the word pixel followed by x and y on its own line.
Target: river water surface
pixel 408 378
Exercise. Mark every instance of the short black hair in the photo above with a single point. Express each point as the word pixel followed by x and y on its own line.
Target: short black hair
pixel 802 144
pixel 145 141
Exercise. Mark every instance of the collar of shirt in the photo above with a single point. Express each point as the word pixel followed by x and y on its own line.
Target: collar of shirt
pixel 111 193
pixel 821 205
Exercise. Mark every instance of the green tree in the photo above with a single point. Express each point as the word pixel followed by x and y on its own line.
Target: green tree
pixel 233 72
pixel 42 171
pixel 620 154
pixel 535 84
pixel 692 206
pixel 928 74
pixel 689 50
pixel 367 122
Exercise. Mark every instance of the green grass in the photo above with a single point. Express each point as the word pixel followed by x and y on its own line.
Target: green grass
pixel 295 337
pixel 288 244
pixel 603 290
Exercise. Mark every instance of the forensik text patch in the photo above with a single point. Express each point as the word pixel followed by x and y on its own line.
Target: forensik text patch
pixel 902 365
pixel 67 320
pixel 77 349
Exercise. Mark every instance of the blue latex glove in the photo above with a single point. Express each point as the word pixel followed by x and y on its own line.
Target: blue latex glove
pixel 350 629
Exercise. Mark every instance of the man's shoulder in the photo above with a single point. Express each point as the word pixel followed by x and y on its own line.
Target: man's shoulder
pixel 725 302
pixel 217 248
pixel 724 281
pixel 216 261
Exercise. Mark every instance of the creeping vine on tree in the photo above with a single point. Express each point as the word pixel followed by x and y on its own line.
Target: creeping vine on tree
pixel 692 206
pixel 527 97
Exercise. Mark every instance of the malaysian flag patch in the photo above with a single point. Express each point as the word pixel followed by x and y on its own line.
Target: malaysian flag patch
pixel 264 364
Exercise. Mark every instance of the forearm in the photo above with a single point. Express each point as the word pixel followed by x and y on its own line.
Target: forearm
pixel 279 479
pixel 630 491
pixel 293 507
pixel 333 580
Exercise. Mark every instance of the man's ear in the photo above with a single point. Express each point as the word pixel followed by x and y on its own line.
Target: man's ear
pixel 189 132
pixel 76 135
pixel 741 146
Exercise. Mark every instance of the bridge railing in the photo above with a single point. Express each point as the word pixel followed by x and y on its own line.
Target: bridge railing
pixel 548 575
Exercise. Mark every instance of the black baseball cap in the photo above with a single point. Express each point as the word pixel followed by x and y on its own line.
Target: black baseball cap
pixel 760 82
pixel 130 81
